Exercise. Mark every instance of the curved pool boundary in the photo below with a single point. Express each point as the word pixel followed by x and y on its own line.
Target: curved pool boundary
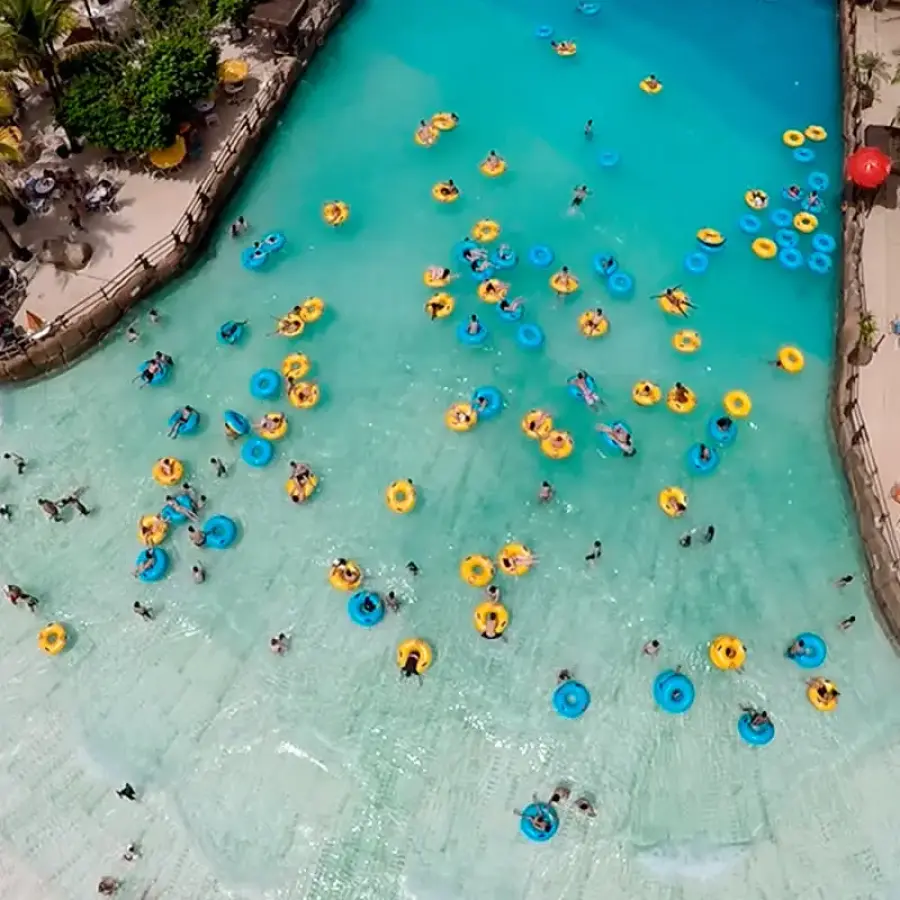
pixel 880 543
pixel 83 326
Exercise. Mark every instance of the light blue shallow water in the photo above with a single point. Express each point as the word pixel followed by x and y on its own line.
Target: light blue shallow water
pixel 321 774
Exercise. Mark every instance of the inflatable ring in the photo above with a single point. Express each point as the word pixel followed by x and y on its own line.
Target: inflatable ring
pixel 749 224
pixel 727 652
pixel 804 155
pixel 756 199
pixel 710 238
pixel 650 87
pixel 793 138
pixel 607 438
pixel 492 170
pixel 311 309
pixel 805 223
pixel 558 445
pixel 310 483
pixel 541 431
pixel 461 417
pixel 696 263
pixel 175 475
pixel 291 325
pixel 682 407
pixel 485 230
pixel 160 376
pixel 152 530
pixel 672 501
pixel 188 427
pixel 52 639
pixel 365 608
pixel 273 242
pixel 445 121
pixel 265 384
pixel 236 425
pixel 257 453
pixel 281 426
pixel 253 258
pixel 787 238
pixel 686 341
pixel 819 262
pixel 548 813
pixel 781 218
pixel 487 401
pixel 824 243
pixel 823 704
pixel 791 359
pixel 335 213
pixel 620 283
pixel 698 463
pixel 541 256
pixel 304 395
pixel 815 651
pixel 571 699
pixel 440 306
pixel 676 306
pixel 529 336
pixel 504 257
pixel 608 158
pixel 737 404
pixel 764 248
pixel 157 568
pixel 543 32
pixel 345 576
pixel 508 559
pixel 563 284
pixel 605 264
pixel 673 691
pixel 418 646
pixel 591 325
pixel 431 281
pixel 221 532
pixel 511 315
pixel 566 48
pixel 646 393
pixel 724 437
pixel 471 340
pixel 495 293
pixel 816 133
pixel 400 496
pixel 296 365
pixel 444 192
pixel 476 571
pixel 177 513
pixel 500 613
pixel 757 735
pixel 429 139
pixel 791 258
pixel 818 181
pixel 230 332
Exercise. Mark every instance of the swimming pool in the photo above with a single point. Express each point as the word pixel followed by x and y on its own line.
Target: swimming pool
pixel 321 774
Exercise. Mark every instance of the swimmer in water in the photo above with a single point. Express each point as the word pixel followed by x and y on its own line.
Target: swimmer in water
pixel 793 191
pixel 219 466
pixel 545 493
pixel 579 195
pixel 50 509
pixel 474 326
pixel 534 425
pixel 490 627
pixel 563 675
pixel 146 563
pixel 596 552
pixel 582 804
pixel 651 648
pixel 680 393
pixel 229 330
pixel 709 534
pixel 686 539
pixel 184 415
pixel 15 595
pixel 280 644
pixel 560 794
pixel 652 82
pixel 270 423
pixel 426 133
pixel 198 573
pixel 412 568
pixel 198 501
pixel 196 537
pixel 579 381
pixel 539 821
pixel 132 334
pixel 492 592
pixel 844 624
pixel 620 437
pixel 798 649
pixel 143 611
pixel 179 509
pixel 843 581
pixel 437 273
pixel 448 189
pixel 239 226
pixel 589 129
pixel 492 162
pixel 18 461
pixel 391 602
pixel 410 666
pixel 511 306
pixel 153 316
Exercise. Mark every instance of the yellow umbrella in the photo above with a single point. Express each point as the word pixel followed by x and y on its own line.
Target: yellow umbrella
pixel 233 70
pixel 169 157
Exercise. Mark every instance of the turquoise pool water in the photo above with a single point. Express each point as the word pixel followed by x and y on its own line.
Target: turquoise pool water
pixel 323 775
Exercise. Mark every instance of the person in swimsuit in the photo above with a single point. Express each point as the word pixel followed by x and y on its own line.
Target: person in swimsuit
pixel 198 573
pixel 844 624
pixel 511 306
pixel 758 717
pixel 15 595
pixel 448 189
pixel 50 509
pixel 579 380
pixel 793 191
pixel 143 611
pixel 620 437
pixel 270 423
pixel 705 453
pixel 652 81
pixel 589 129
pixel 410 666
pixel 492 161
pixel 426 132
pixel 474 326
pixel 596 552
pixel 231 329
pixel 534 425
pixel 490 627
pixel 582 804
pixel 196 537
pixel 651 648
pixel 146 563
pixel 280 644
pixel 579 195
pixel 723 423
pixel 391 602
pixel 680 392
pixel 545 493
pixel 19 461
pixel 184 415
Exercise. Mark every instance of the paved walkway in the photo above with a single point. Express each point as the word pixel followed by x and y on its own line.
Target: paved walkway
pixel 879 382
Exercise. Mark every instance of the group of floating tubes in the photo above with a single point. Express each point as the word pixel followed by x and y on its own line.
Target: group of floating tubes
pixel 255 257
pixel 514 559
pixel 427 134
pixel 554 443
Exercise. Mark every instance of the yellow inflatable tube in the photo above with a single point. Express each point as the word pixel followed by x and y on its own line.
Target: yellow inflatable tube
pixel 564 283
pixel 756 199
pixel 492 169
pixel 295 365
pixel 445 121
pixel 400 496
pixel 515 559
pixel 432 280
pixel 441 305
pixel 673 501
pixel 558 445
pixel 311 309
pixel 175 471
pixel 727 652
pixel 444 192
pixel 650 85
pixel 345 576
pixel 737 404
pixel 764 248
pixel 592 325
pixel 304 395
pixel 52 639
pixel 279 420
pixel 461 417
pixel 816 133
pixel 476 571
pixel 495 293
pixel 793 138
pixel 427 136
pixel 791 360
pixel 805 223
pixel 152 530
pixel 291 325
pixel 418 646
pixel 485 230
pixel 566 48
pixel 679 406
pixel 536 424
pixel 483 610
pixel 686 341
pixel 676 304
pixel 823 704
pixel 335 213
pixel 646 393
pixel 309 486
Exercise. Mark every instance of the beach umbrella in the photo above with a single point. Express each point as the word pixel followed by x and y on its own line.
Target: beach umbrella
pixel 868 167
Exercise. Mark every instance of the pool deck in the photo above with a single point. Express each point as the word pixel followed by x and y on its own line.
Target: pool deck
pixel 865 400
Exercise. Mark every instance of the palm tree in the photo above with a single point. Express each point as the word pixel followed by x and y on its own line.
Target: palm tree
pixel 8 197
pixel 867 340
pixel 872 70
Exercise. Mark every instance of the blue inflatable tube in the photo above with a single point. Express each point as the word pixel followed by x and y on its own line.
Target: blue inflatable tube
pixel 510 315
pixel 823 242
pixel 790 258
pixel 588 9
pixel 532 833
pixel 471 340
pixel 605 264
pixel 483 273
pixel 818 182
pixel 815 207
pixel 804 155
pixel 253 259
pixel 505 260
pixel 786 196
pixel 820 263
pixel 174 517
pixel 781 218
pixel 189 427
pixel 673 692
pixel 702 466
pixel 607 439
pixel 815 651
pixel 257 452
pixel 365 608
pixel 724 437
pixel 221 532
pixel 273 242
pixel 571 699
pixel 529 336
pixel 608 158
pixel 460 247
pixel 696 263
pixel 265 384
pixel 543 32
pixel 160 377
pixel 576 393
pixel 540 255
pixel 494 404
pixel 237 423
pixel 158 569
pixel 230 332
pixel 620 284
pixel 749 224
pixel 758 736
pixel 786 238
